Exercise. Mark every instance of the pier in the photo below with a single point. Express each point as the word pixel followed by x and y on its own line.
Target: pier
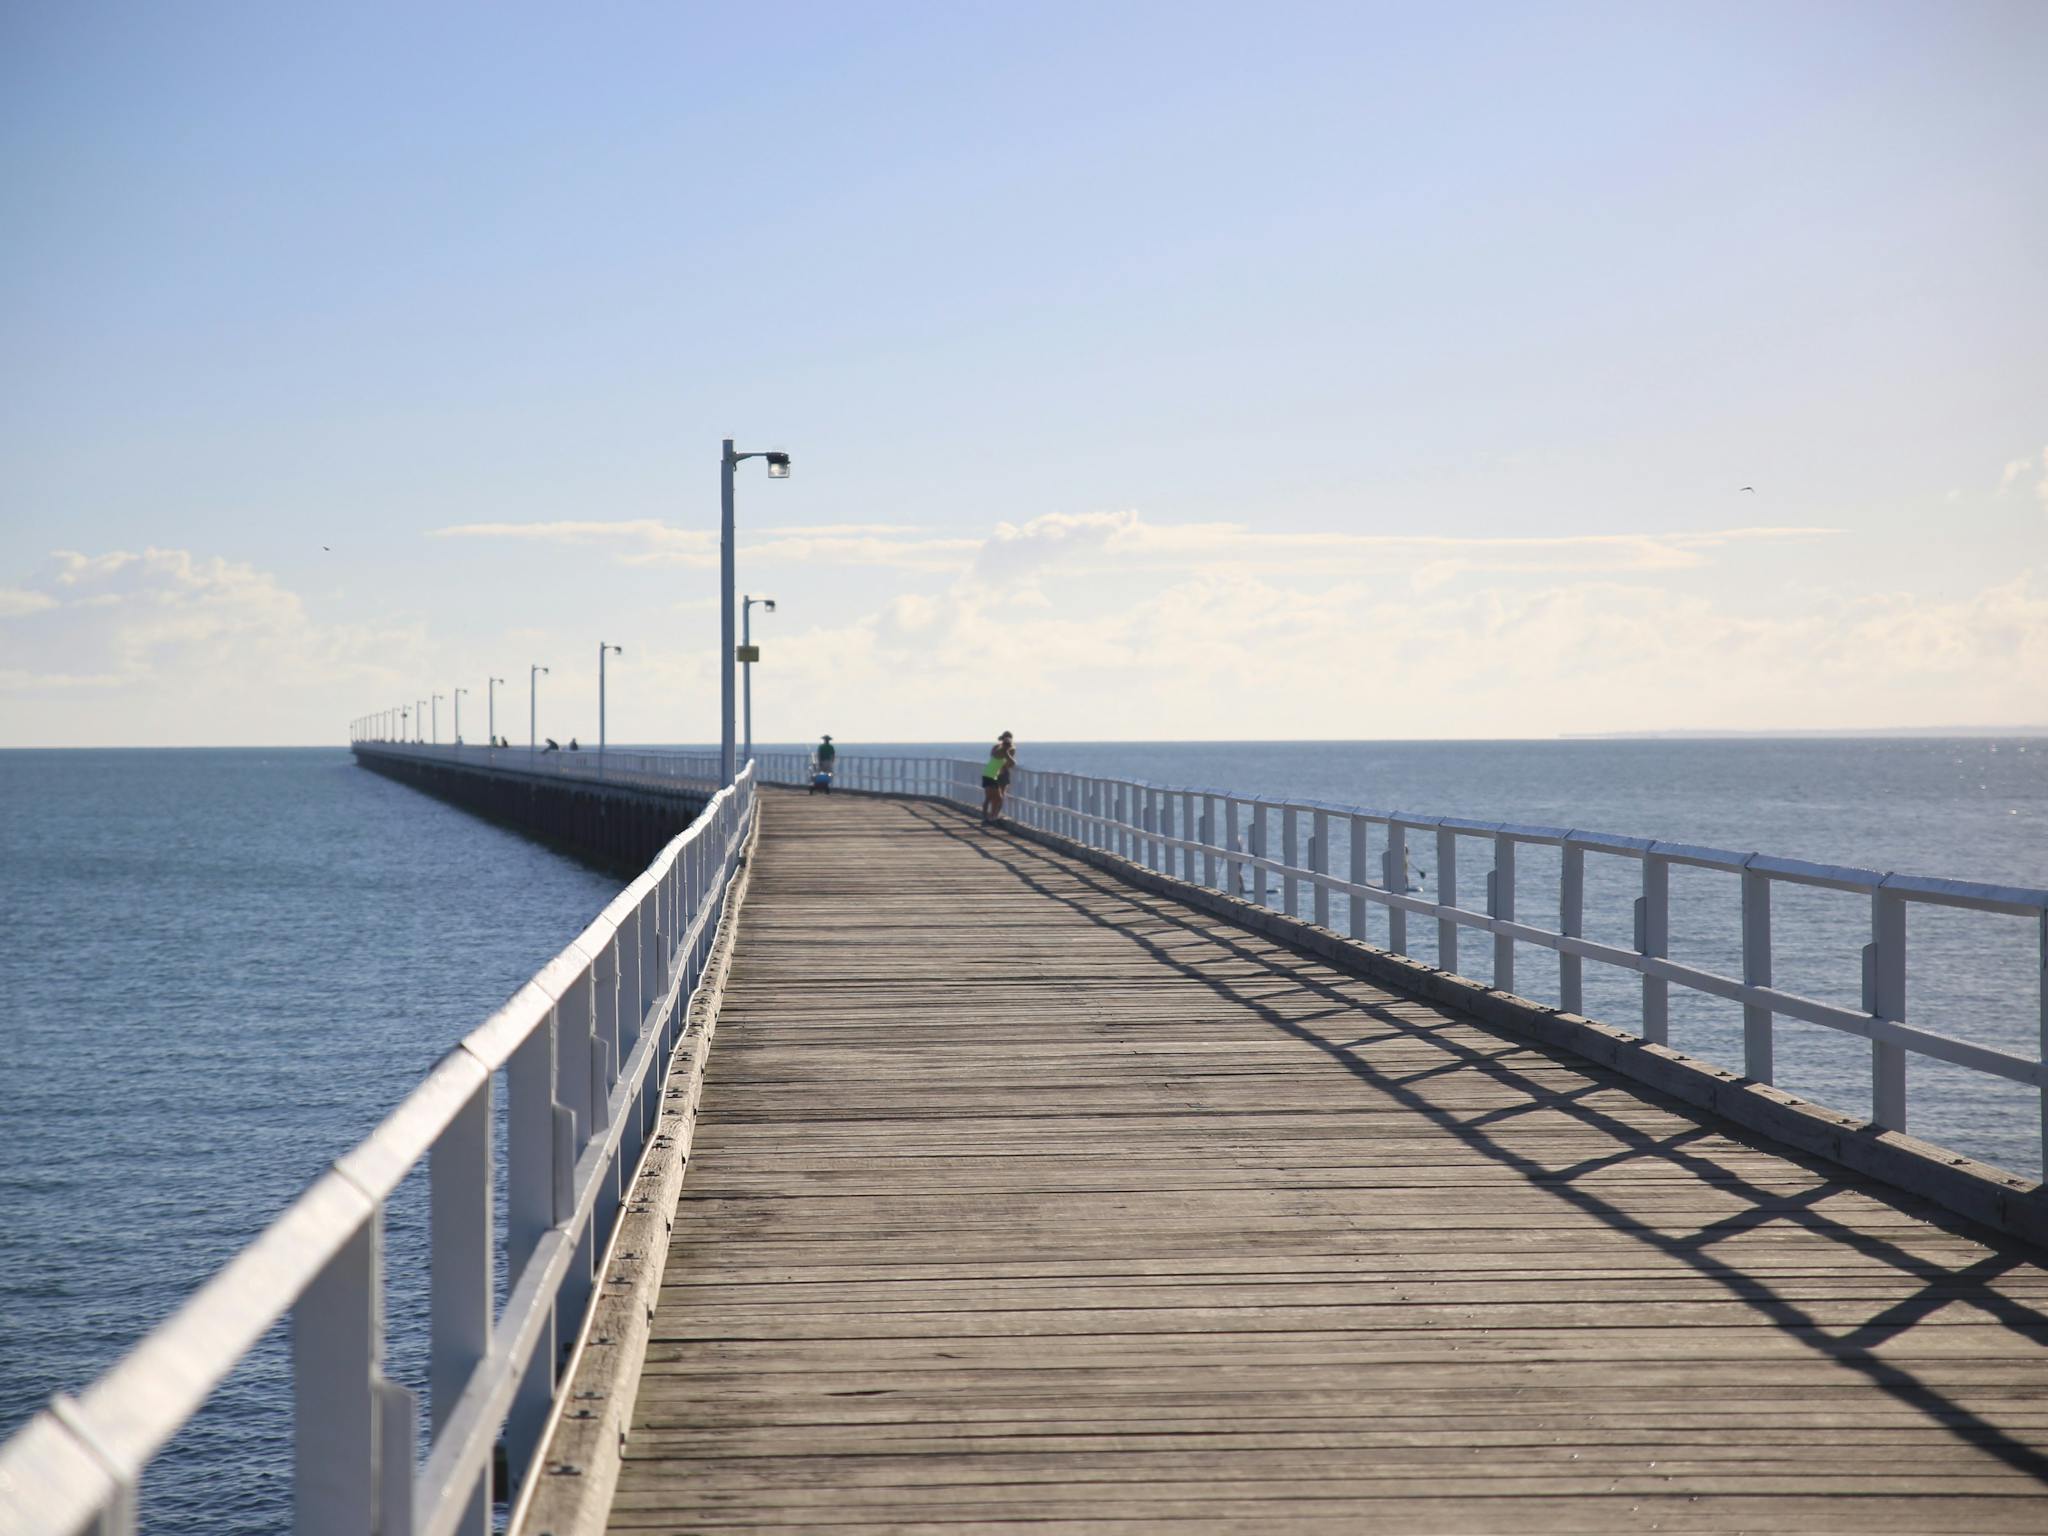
pixel 870 1169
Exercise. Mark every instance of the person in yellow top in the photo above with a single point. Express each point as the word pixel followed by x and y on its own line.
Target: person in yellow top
pixel 995 777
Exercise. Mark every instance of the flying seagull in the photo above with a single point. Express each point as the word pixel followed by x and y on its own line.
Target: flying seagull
pixel 1749 488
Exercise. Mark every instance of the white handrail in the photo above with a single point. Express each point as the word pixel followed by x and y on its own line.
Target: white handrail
pixel 584 1046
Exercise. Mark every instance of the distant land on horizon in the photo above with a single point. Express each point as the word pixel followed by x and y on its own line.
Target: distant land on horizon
pixel 1865 732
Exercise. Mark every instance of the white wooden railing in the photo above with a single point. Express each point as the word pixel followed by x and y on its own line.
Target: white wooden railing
pixel 1279 853
pixel 583 1048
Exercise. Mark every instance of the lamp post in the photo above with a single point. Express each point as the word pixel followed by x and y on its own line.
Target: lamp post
pixel 747 668
pixel 458 714
pixel 419 718
pixel 533 708
pixel 491 704
pixel 404 724
pixel 778 469
pixel 437 717
pixel 602 648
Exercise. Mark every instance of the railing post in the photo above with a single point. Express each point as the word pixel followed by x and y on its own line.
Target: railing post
pixel 337 1332
pixel 1290 834
pixel 1190 861
pixel 1208 836
pixel 1233 866
pixel 1884 971
pixel 459 1307
pixel 1355 903
pixel 1260 884
pixel 1571 923
pixel 1757 1045
pixel 1163 809
pixel 1653 938
pixel 1394 876
pixel 1319 865
pixel 1446 896
pixel 1500 903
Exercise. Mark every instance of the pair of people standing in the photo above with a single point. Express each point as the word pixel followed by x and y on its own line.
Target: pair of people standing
pixel 995 777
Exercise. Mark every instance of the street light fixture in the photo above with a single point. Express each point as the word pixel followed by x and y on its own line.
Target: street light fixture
pixel 778 469
pixel 533 708
pixel 491 704
pixel 437 717
pixel 602 648
pixel 748 656
pixel 458 714
pixel 419 720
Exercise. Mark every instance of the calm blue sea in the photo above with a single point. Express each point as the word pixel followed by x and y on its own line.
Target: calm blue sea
pixel 222 968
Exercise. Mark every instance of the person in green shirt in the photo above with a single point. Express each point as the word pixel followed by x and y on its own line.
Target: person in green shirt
pixel 821 766
pixel 995 777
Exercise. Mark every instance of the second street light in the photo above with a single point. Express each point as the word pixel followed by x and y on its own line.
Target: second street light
pixel 778 469
pixel 491 705
pixel 533 707
pixel 616 650
pixel 748 656
pixel 458 714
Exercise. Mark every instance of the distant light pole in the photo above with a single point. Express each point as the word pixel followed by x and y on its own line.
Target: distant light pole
pixel 404 724
pixel 491 703
pixel 533 708
pixel 458 714
pixel 437 717
pixel 747 666
pixel 616 650
pixel 778 469
pixel 419 721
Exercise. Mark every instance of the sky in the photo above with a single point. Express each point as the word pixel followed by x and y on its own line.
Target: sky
pixel 1150 371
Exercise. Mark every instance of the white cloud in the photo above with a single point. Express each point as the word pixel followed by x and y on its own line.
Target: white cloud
pixel 646 542
pixel 173 646
pixel 2014 468
pixel 1231 653
pixel 1125 538
pixel 18 602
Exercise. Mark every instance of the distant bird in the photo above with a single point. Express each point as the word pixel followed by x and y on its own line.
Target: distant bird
pixel 1749 488
pixel 329 548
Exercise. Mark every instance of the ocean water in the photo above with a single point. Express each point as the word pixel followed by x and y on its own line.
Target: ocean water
pixel 224 967
pixel 221 969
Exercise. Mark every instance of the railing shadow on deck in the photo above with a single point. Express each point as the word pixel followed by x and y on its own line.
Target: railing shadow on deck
pixel 1854 1350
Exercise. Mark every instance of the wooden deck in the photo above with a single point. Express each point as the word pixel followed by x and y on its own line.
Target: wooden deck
pixel 1025 1201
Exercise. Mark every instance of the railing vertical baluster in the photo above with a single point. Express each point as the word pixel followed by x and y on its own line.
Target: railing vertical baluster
pixel 1166 831
pixel 1355 904
pixel 1885 973
pixel 1653 937
pixel 1260 875
pixel 1571 922
pixel 1758 1054
pixel 337 1333
pixel 1319 865
pixel 459 1325
pixel 1500 893
pixel 1232 866
pixel 1290 834
pixel 1395 877
pixel 1207 833
pixel 1446 896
